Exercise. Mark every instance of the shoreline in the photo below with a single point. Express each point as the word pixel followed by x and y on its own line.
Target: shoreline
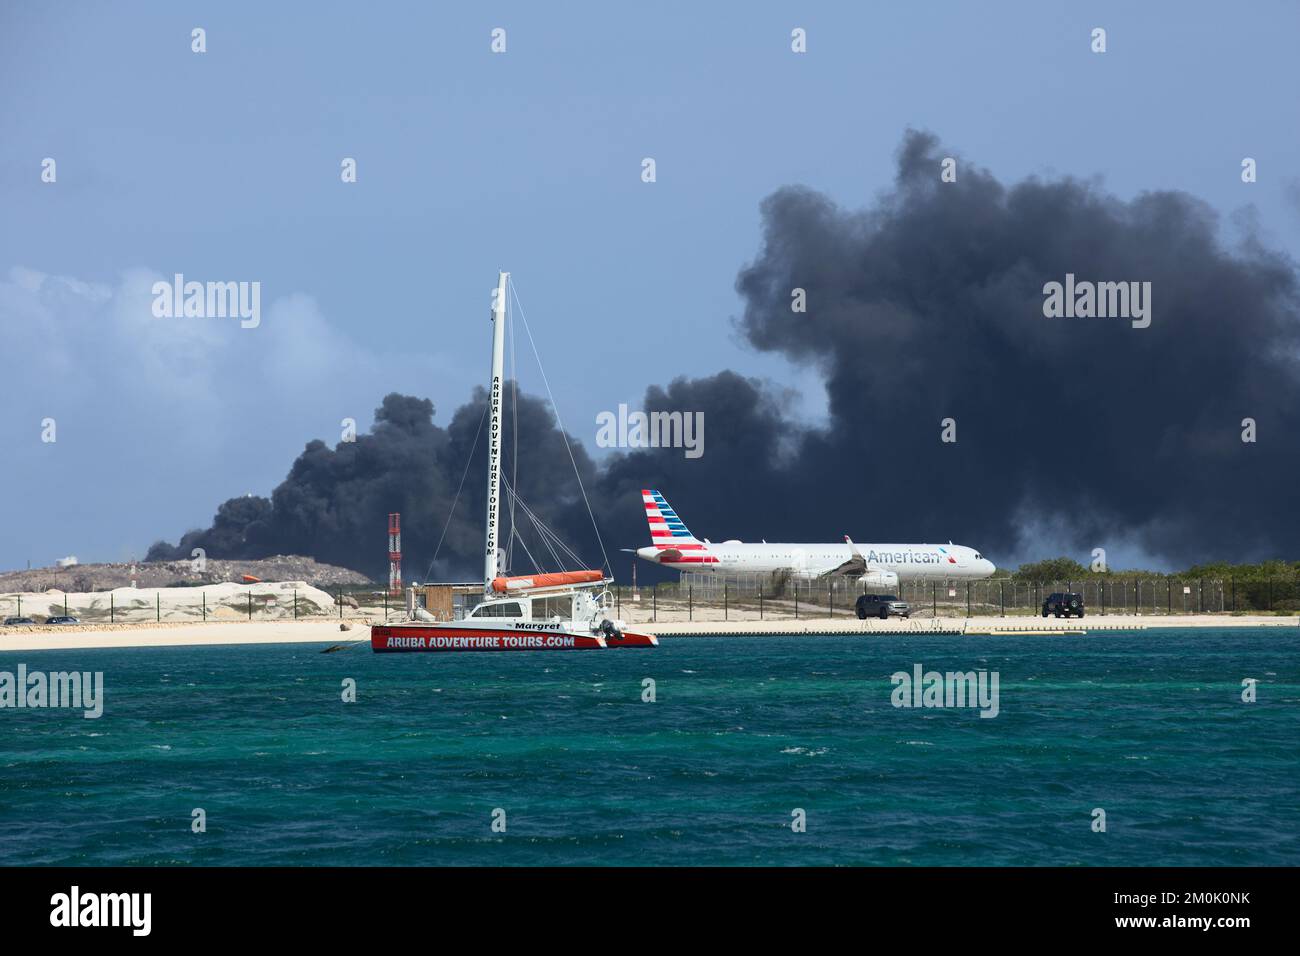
pixel 214 633
pixel 974 626
pixel 189 634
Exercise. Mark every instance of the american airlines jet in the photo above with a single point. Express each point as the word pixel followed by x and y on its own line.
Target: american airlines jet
pixel 874 565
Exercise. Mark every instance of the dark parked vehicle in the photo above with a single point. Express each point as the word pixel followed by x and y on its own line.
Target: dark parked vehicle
pixel 62 619
pixel 882 606
pixel 1063 605
pixel 15 621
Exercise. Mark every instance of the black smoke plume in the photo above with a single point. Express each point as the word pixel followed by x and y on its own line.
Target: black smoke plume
pixel 929 305
pixel 1072 433
pixel 334 504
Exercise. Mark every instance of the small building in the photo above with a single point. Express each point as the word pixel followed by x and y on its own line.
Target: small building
pixel 450 602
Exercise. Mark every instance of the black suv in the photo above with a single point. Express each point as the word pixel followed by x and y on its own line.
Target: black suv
pixel 15 621
pixel 1063 605
pixel 882 606
pixel 62 619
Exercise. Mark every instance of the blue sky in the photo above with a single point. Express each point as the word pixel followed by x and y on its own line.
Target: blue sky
pixel 225 166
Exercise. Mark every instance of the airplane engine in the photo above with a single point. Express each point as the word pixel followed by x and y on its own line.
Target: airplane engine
pixel 879 580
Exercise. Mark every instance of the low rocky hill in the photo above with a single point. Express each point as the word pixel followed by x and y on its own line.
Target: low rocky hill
pixel 159 574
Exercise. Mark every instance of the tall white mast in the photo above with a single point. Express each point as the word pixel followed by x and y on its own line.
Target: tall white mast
pixel 494 432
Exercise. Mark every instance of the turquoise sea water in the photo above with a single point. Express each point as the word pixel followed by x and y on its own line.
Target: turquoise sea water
pixel 1150 727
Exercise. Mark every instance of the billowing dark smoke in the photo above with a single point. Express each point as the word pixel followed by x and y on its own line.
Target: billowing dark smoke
pixel 748 483
pixel 334 504
pixel 930 305
pixel 1072 433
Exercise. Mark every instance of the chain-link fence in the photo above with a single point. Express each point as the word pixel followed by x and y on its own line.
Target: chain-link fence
pixel 695 597
pixel 698 597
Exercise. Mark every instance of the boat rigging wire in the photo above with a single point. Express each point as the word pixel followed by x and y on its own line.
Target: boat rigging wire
pixel 548 537
pixel 452 510
pixel 563 434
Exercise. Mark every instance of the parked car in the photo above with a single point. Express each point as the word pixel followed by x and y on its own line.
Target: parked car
pixel 1063 605
pixel 16 621
pixel 882 606
pixel 62 619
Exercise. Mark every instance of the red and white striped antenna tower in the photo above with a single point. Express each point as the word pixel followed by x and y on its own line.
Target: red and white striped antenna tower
pixel 395 554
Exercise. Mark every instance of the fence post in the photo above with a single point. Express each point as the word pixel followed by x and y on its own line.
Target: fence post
pixel 690 602
pixel 1234 593
pixel 1102 589
pixel 250 603
pixel 1200 594
pixel 1002 599
pixel 726 609
pixel 796 600
pixel 830 598
pixel 204 595
pixel 340 600
pixel 65 603
pixel 385 607
pixel 654 603
pixel 618 601
pixel 1270 594
pixel 968 599
pixel 760 602
pixel 157 606
pixel 295 606
pixel 112 608
pixel 934 598
pixel 20 605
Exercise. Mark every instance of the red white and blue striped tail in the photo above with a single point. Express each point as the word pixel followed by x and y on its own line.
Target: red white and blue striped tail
pixel 669 533
pixel 666 529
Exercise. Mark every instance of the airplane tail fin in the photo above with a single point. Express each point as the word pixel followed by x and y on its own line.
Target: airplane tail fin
pixel 666 529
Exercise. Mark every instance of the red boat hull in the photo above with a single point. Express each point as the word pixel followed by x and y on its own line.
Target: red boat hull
pixel 629 639
pixel 407 638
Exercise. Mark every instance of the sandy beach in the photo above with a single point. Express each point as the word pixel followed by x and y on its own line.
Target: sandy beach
pixel 181 635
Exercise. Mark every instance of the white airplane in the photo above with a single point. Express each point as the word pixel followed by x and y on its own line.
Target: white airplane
pixel 874 565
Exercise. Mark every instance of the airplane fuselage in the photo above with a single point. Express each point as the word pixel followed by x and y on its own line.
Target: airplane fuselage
pixel 874 565
pixel 913 562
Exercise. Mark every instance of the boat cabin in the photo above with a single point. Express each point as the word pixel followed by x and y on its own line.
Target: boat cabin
pixel 560 606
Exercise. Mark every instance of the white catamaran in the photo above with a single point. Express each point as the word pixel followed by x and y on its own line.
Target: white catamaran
pixel 565 610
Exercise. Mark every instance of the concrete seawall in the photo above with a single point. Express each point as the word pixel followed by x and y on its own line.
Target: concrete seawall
pixel 975 626
pixel 320 631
